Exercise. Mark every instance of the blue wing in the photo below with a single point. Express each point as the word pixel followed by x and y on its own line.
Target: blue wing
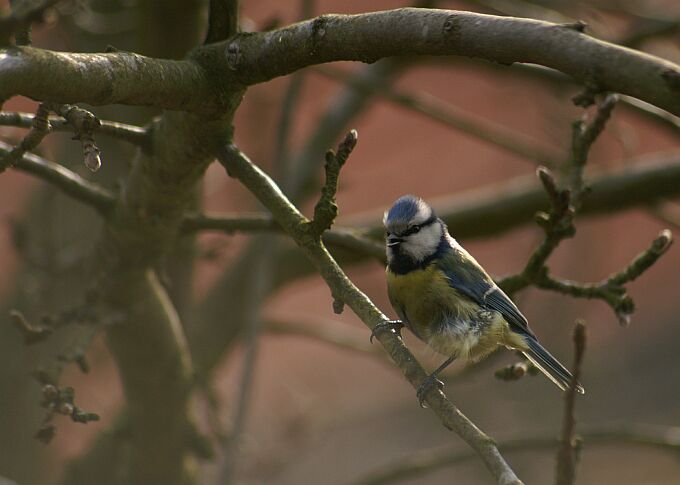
pixel 469 278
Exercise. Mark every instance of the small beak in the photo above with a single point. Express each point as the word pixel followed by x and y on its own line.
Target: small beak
pixel 394 241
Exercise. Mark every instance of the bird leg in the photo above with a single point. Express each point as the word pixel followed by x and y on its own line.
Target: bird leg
pixel 432 381
pixel 395 325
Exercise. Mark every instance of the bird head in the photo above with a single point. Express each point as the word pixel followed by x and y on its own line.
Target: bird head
pixel 412 229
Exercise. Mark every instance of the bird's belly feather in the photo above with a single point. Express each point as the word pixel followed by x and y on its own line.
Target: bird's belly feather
pixel 448 321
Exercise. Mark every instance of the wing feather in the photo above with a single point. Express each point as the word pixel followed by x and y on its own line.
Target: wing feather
pixel 468 277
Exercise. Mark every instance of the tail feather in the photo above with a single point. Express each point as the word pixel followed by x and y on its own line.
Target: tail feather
pixel 549 365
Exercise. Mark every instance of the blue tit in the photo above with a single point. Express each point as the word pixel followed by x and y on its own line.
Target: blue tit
pixel 446 299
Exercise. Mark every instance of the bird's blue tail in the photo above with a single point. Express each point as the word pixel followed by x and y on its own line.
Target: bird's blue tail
pixel 549 365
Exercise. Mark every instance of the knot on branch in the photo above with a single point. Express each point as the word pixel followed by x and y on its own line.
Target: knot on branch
pixel 514 372
pixel 326 209
pixel 60 401
pixel 84 124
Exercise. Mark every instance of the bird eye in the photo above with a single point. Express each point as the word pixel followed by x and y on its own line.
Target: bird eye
pixel 415 229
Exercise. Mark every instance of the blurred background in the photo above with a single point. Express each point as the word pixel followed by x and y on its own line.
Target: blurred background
pixel 326 407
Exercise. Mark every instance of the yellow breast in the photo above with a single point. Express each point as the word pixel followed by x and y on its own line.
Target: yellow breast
pixel 448 321
pixel 424 298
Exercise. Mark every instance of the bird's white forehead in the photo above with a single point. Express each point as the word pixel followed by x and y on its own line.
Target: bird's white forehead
pixel 423 213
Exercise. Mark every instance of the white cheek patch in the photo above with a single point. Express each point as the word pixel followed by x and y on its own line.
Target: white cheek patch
pixel 424 243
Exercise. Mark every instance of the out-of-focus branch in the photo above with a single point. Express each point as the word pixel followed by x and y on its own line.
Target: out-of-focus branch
pixel 18 22
pixel 223 20
pixel 419 463
pixel 512 141
pixel 119 131
pixel 328 332
pixel 344 237
pixel 567 455
pixel 298 227
pixel 65 180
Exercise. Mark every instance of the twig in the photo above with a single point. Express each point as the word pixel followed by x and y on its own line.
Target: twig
pixel 84 123
pixel 567 454
pixel 40 127
pixel 297 226
pixel 326 210
pixel 346 105
pixel 120 131
pixel 583 136
pixel 60 401
pixel 558 225
pixel 31 332
pixel 451 116
pixel 612 290
pixel 69 182
pixel 419 463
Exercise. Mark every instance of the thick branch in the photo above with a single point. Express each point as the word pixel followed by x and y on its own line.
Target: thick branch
pixel 369 37
pixel 111 78
pixel 69 182
pixel 298 227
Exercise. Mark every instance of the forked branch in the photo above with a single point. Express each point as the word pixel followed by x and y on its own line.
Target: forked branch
pixel 343 290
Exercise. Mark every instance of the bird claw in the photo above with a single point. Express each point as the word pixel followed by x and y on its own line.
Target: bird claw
pixel 395 325
pixel 425 387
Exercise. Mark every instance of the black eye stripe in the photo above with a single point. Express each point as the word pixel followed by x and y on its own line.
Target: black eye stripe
pixel 417 227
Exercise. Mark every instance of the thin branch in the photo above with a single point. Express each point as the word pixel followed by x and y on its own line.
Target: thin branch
pixel 65 180
pixel 223 20
pixel 419 463
pixel 372 36
pixel 328 332
pixel 567 455
pixel 558 225
pixel 120 131
pixel 512 141
pixel 326 210
pixel 297 226
pixel 39 130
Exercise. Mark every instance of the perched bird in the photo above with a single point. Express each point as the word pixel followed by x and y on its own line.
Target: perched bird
pixel 446 299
